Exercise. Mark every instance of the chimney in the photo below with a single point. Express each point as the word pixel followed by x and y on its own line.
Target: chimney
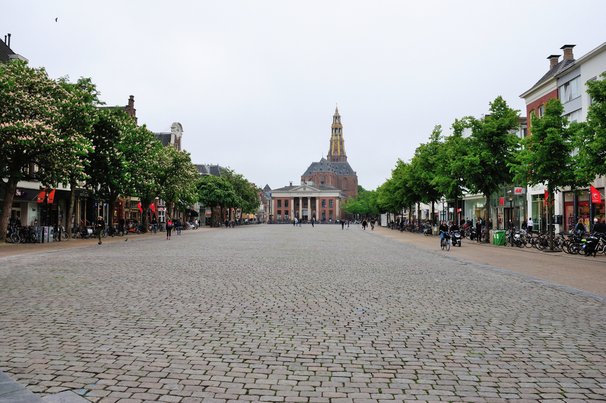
pixel 9 40
pixel 568 52
pixel 553 60
pixel 290 183
pixel 131 101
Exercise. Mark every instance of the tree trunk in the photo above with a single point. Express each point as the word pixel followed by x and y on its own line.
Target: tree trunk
pixel 486 218
pixel 112 207
pixel 433 213
pixel 550 225
pixel 144 221
pixel 70 210
pixel 9 196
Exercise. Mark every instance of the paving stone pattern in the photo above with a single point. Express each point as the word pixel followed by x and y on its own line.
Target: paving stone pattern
pixel 278 313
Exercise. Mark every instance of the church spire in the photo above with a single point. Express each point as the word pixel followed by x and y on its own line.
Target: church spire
pixel 336 151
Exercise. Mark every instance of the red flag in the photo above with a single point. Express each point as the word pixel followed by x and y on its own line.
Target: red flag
pixel 546 197
pixel 41 196
pixel 596 197
pixel 140 207
pixel 51 196
pixel 152 207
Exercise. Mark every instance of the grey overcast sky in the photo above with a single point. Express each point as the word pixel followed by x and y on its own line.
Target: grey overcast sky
pixel 255 83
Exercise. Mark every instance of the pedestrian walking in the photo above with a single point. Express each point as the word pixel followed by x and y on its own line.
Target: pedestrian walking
pixel 169 227
pixel 364 224
pixel 100 227
pixel 342 225
pixel 479 230
pixel 313 221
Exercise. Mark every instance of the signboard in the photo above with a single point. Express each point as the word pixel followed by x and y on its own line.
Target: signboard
pixel 519 190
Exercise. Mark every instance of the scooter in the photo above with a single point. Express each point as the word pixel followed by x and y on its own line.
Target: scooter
pixel 456 238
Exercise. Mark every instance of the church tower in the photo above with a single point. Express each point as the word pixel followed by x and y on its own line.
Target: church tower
pixel 336 151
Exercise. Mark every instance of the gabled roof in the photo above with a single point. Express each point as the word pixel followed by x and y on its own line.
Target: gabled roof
pixel 306 188
pixel 554 71
pixel 6 53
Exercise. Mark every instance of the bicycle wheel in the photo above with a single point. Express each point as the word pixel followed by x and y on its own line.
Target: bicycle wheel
pixel 448 245
pixel 14 237
pixel 442 244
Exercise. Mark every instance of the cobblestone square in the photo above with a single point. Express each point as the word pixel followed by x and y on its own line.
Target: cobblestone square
pixel 281 313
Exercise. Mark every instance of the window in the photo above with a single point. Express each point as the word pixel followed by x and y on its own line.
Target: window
pixel 541 111
pixel 279 204
pixel 279 213
pixel 323 203
pixel 569 91
pixel 330 203
pixel 286 203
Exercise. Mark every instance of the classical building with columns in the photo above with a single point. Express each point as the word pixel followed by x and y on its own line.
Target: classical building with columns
pixel 305 201
pixel 324 186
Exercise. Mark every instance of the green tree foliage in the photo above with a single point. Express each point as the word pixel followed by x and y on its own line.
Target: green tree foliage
pixel 247 193
pixel 107 169
pixel 364 204
pixel 177 179
pixel 536 164
pixel 396 193
pixel 492 146
pixel 216 192
pixel 425 164
pixel 591 136
pixel 77 118
pixel 31 107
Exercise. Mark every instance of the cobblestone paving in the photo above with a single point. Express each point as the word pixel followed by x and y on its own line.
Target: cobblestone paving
pixel 277 313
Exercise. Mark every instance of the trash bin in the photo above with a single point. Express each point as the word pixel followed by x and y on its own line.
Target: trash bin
pixel 498 237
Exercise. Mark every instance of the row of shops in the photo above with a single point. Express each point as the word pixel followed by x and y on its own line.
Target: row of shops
pixel 35 207
pixel 517 204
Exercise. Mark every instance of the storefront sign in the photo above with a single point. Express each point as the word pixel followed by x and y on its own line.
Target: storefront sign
pixel 519 190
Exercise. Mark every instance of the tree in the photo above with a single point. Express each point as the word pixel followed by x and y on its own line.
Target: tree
pixel 177 179
pixel 547 155
pixel 78 116
pixel 364 204
pixel 492 147
pixel 591 136
pixel 216 192
pixel 425 164
pixel 450 170
pixel 33 147
pixel 247 193
pixel 107 168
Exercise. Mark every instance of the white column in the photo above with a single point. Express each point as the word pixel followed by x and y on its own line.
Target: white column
pixel 309 208
pixel 337 215
pixel 300 208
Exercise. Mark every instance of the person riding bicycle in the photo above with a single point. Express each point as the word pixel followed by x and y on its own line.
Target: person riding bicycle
pixel 454 227
pixel 443 230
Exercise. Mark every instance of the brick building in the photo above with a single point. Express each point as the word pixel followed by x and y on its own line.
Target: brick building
pixel 334 170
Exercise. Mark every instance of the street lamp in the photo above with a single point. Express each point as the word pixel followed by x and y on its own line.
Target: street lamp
pixel 443 209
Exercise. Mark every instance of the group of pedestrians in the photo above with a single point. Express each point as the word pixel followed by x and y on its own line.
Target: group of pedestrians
pixel 170 224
